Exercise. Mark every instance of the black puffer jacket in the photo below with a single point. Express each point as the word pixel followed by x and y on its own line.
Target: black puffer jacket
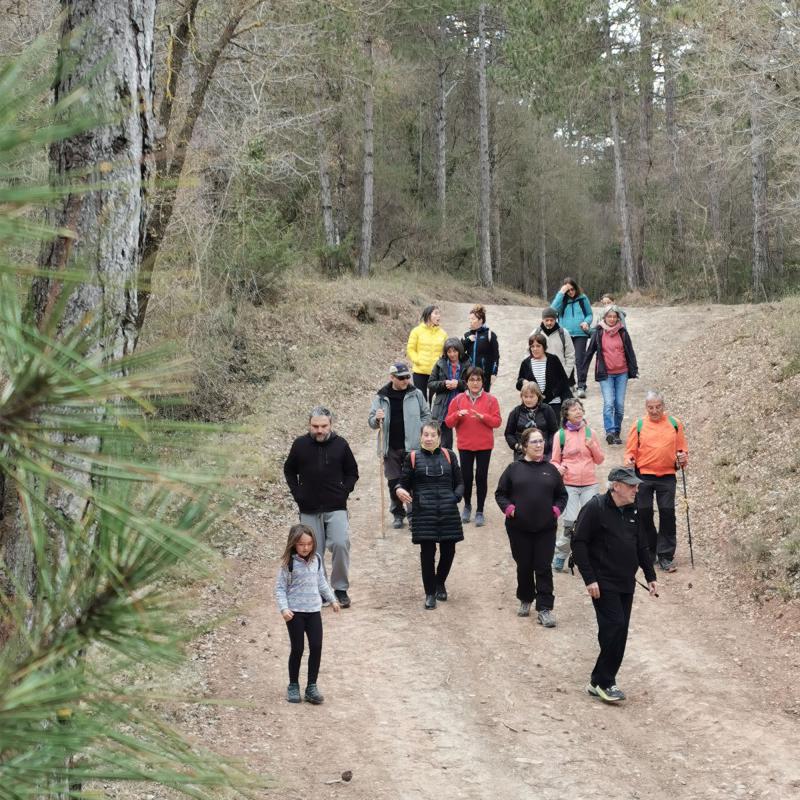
pixel 439 374
pixel 436 487
pixel 521 418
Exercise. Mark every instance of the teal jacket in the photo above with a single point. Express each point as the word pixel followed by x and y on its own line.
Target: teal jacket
pixel 572 312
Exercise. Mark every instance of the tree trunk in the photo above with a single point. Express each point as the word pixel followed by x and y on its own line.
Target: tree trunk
pixel 497 253
pixel 543 258
pixel 621 195
pixel 326 195
pixel 485 188
pixel 677 239
pixel 367 206
pixel 441 141
pixel 524 260
pixel 646 78
pixel 758 160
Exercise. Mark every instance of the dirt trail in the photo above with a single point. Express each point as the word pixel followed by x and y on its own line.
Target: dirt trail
pixel 469 701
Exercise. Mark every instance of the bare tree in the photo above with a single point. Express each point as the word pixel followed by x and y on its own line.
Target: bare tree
pixel 368 169
pixel 758 160
pixel 485 188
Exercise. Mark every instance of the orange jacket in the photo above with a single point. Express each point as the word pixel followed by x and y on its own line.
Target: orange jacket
pixel 654 449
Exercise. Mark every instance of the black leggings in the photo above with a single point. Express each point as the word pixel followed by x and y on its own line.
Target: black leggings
pixel 304 624
pixel 421 383
pixel 480 460
pixel 432 578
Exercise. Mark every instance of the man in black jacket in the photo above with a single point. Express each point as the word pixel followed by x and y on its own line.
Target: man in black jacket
pixel 609 548
pixel 321 472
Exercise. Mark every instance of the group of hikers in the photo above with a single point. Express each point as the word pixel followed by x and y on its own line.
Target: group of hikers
pixel 447 392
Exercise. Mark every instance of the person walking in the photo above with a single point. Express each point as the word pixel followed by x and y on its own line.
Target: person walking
pixel 425 346
pixel 656 447
pixel 615 364
pixel 480 344
pixel 608 300
pixel 609 547
pixel 545 370
pixel 300 588
pixel 398 409
pixel 448 378
pixel 575 315
pixel 532 496
pixel 576 452
pixel 532 412
pixel 474 414
pixel 431 481
pixel 321 472
pixel 559 343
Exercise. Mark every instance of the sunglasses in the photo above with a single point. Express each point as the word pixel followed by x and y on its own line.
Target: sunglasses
pixel 402 377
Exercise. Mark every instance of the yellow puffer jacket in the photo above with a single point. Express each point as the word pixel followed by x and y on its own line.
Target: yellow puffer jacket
pixel 424 348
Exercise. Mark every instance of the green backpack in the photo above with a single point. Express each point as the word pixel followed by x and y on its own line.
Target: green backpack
pixel 562 435
pixel 640 422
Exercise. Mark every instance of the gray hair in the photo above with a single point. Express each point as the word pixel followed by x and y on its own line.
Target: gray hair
pixel 654 394
pixel 320 411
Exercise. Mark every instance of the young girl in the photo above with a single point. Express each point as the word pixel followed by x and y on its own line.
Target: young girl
pixel 576 451
pixel 299 590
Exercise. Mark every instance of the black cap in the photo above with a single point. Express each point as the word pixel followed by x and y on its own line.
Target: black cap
pixel 624 475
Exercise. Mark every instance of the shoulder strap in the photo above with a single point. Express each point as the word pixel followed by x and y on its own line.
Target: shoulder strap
pixel 413 458
pixel 563 339
pixel 562 435
pixel 583 306
pixel 447 455
pixel 674 423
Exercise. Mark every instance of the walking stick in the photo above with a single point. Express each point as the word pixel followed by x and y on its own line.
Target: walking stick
pixel 688 524
pixel 646 587
pixel 382 481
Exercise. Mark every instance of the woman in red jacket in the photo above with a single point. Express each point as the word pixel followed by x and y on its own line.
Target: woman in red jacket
pixel 473 415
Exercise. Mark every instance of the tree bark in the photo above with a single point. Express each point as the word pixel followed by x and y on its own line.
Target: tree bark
pixel 367 204
pixel 677 239
pixel 543 257
pixel 441 140
pixel 758 160
pixel 645 165
pixel 332 240
pixel 497 252
pixel 485 188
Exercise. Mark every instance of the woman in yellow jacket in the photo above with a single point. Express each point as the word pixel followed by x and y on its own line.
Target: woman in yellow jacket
pixel 425 347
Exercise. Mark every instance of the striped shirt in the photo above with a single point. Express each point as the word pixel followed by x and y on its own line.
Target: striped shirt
pixel 303 588
pixel 539 370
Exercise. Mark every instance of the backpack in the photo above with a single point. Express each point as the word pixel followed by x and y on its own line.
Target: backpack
pixel 414 456
pixel 290 567
pixel 562 435
pixel 640 422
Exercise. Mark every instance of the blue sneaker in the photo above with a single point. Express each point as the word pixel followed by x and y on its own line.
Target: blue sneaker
pixel 558 564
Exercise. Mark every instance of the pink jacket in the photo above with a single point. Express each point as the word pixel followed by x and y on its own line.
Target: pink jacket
pixel 578 458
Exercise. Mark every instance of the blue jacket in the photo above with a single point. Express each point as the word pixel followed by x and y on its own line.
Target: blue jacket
pixel 572 312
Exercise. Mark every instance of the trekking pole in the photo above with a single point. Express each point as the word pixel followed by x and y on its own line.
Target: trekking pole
pixel 382 481
pixel 645 587
pixel 688 524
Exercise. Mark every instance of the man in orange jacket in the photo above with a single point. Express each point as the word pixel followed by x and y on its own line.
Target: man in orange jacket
pixel 657 447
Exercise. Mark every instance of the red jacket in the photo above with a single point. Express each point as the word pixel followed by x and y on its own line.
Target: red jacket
pixel 474 433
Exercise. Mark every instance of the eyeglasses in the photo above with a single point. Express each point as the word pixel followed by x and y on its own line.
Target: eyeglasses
pixel 537 442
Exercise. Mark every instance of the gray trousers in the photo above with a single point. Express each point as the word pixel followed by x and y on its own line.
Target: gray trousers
pixel 577 498
pixel 332 531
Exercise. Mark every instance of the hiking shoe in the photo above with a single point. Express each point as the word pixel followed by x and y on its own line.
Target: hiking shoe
pixel 293 692
pixel 611 694
pixel 524 609
pixel 546 618
pixel 441 593
pixel 609 438
pixel 558 564
pixel 479 520
pixel 667 565
pixel 430 602
pixel 466 513
pixel 342 597
pixel 581 394
pixel 313 695
pixel 397 522
pixel 617 440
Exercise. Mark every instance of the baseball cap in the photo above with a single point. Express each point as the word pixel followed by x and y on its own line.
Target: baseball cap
pixel 624 475
pixel 549 312
pixel 400 370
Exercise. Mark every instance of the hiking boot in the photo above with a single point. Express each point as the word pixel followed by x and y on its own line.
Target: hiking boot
pixel 667 565
pixel 441 593
pixel 479 520
pixel 466 513
pixel 430 602
pixel 546 618
pixel 397 522
pixel 617 440
pixel 609 438
pixel 313 694
pixel 524 609
pixel 611 694
pixel 293 692
pixel 558 564
pixel 581 394
pixel 342 597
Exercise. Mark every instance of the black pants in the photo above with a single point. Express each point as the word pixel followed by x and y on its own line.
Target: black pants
pixel 613 612
pixel 432 576
pixel 664 541
pixel 533 553
pixel 477 460
pixel 421 382
pixel 581 367
pixel 447 437
pixel 304 624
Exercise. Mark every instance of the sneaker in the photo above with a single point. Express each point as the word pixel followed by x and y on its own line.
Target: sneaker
pixel 479 520
pixel 313 694
pixel 293 692
pixel 546 618
pixel 397 522
pixel 581 394
pixel 342 597
pixel 667 565
pixel 430 602
pixel 611 694
pixel 466 513
pixel 441 593
pixel 617 440
pixel 524 609
pixel 558 564
pixel 609 438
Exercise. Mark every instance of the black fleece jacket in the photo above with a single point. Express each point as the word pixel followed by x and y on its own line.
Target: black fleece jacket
pixel 609 547
pixel 320 475
pixel 533 488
